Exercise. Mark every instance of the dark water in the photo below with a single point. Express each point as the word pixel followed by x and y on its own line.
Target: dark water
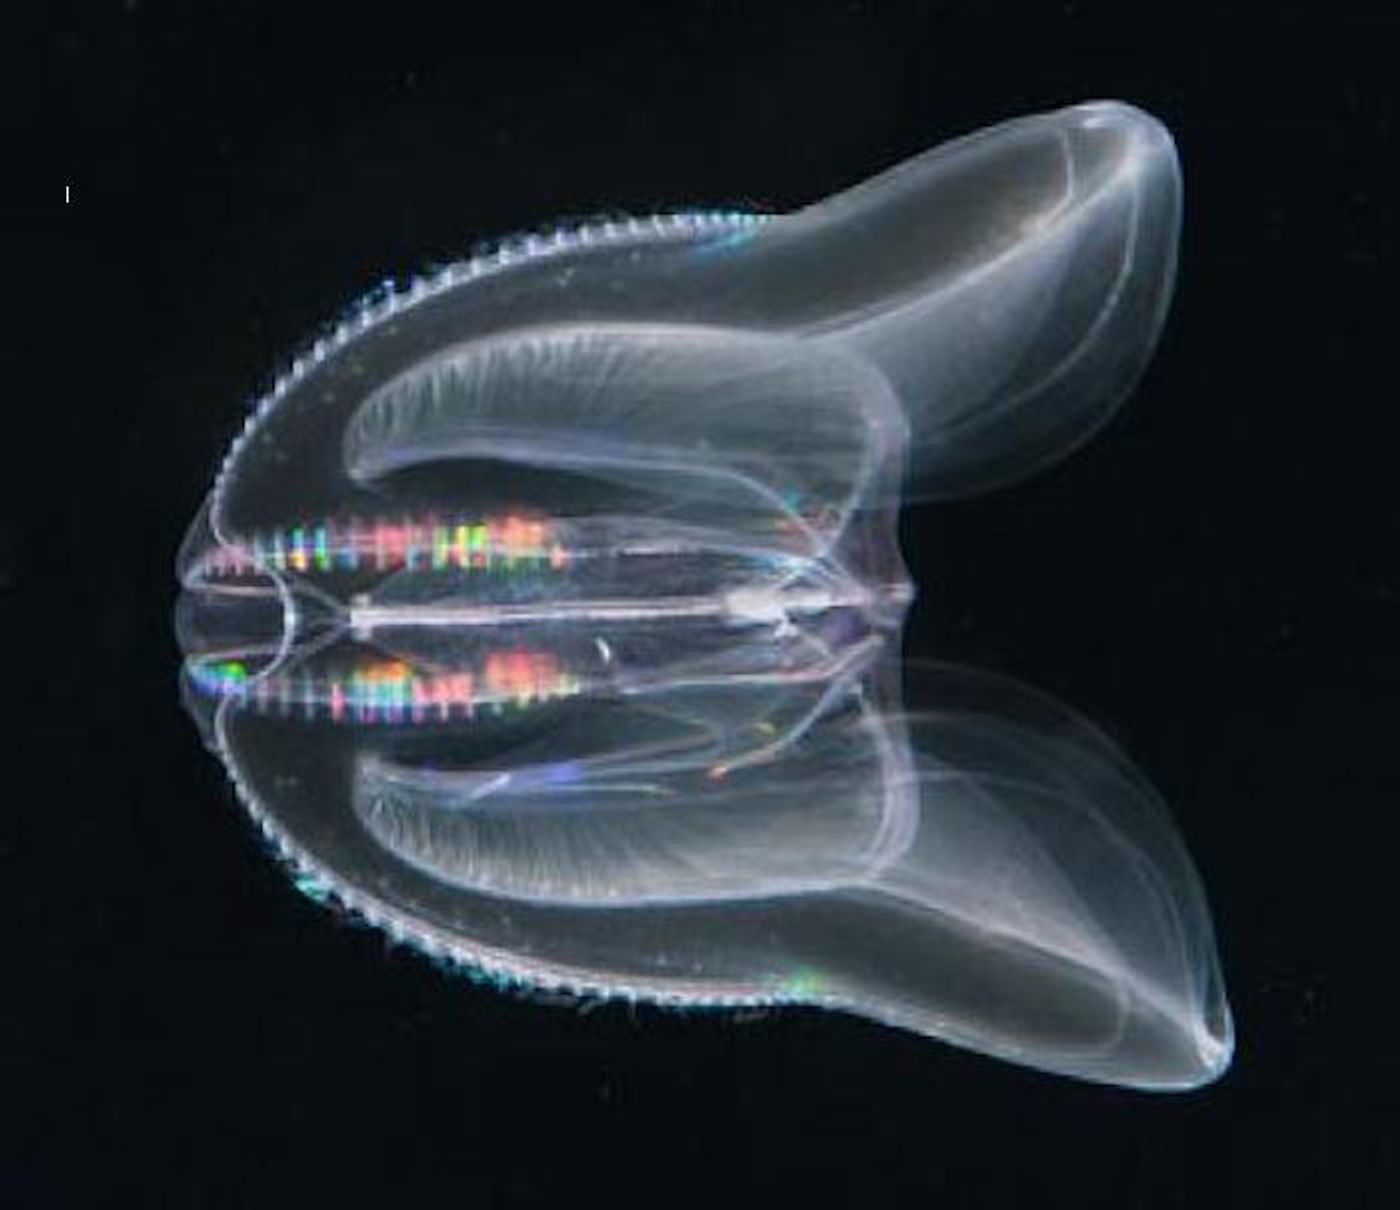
pixel 1214 580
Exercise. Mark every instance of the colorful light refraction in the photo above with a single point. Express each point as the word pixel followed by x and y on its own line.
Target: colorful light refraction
pixel 385 689
pixel 391 691
pixel 492 544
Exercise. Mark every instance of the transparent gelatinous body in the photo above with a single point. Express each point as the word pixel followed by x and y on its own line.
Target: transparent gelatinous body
pixel 547 613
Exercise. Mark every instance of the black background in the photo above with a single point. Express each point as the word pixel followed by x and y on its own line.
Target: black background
pixel 1214 579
